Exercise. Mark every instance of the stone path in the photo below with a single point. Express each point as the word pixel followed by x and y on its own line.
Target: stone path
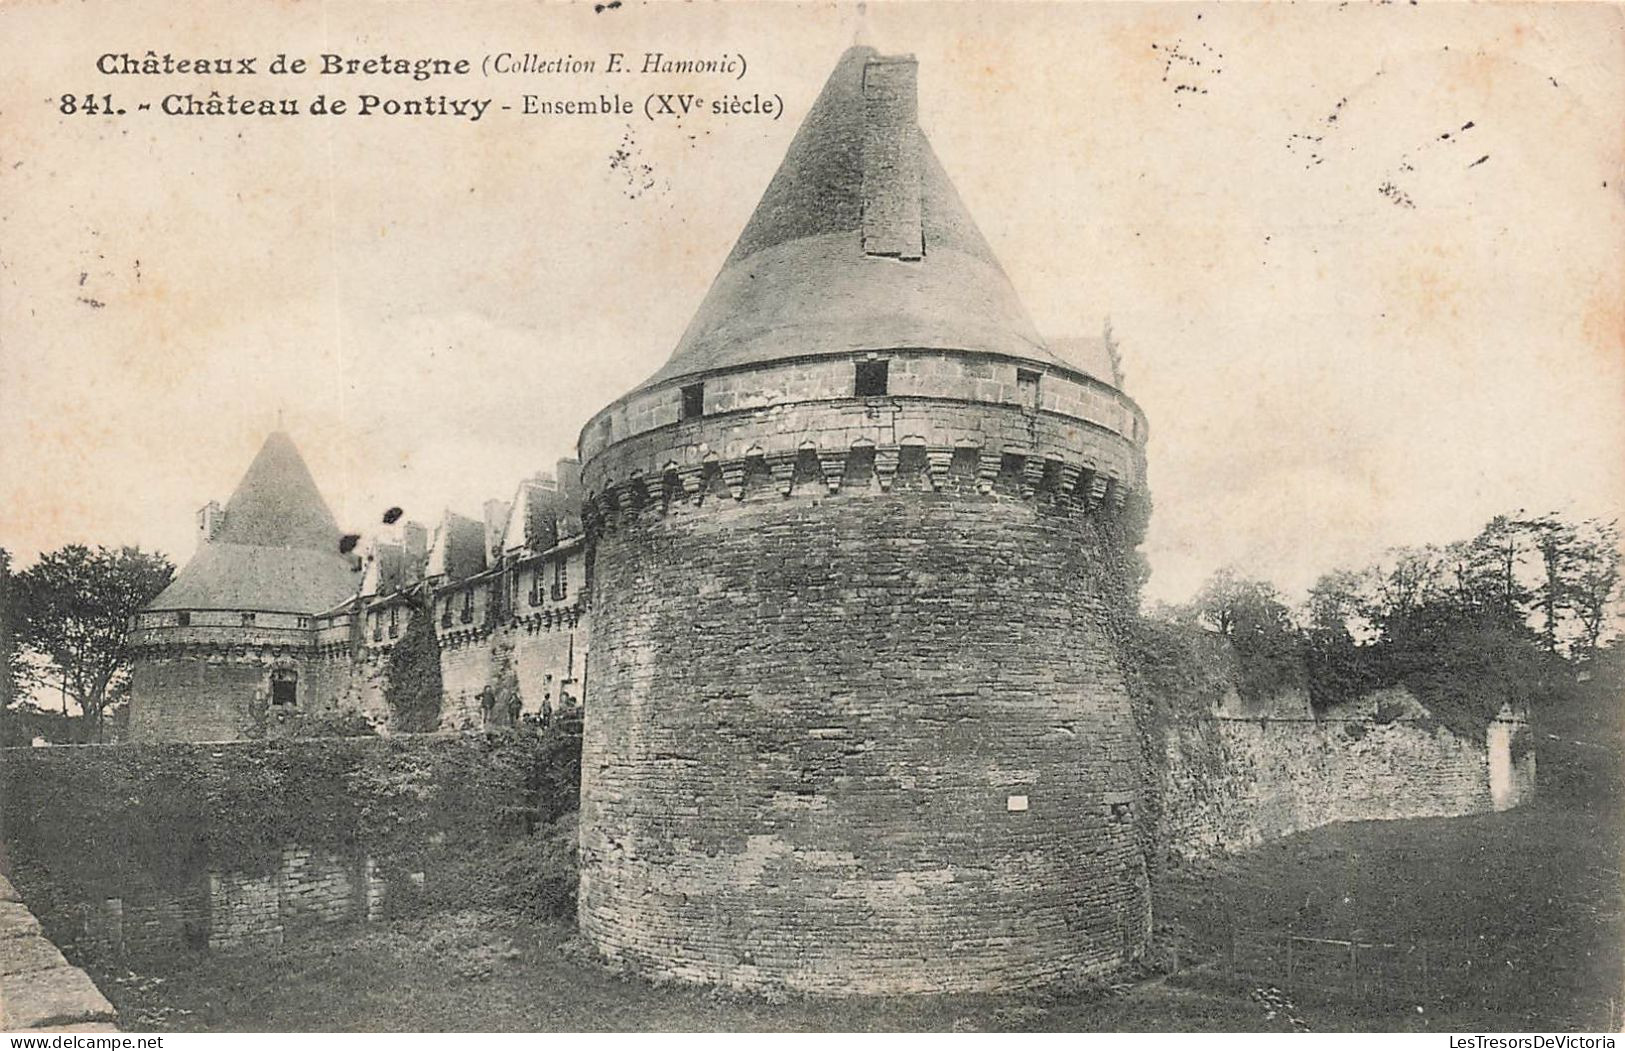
pixel 39 989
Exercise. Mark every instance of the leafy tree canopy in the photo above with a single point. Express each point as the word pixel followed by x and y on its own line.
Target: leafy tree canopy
pixel 73 609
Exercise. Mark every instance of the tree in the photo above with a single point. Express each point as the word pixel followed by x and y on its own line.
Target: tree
pixel 1587 576
pixel 1495 559
pixel 1405 584
pixel 10 664
pixel 76 607
pixel 1343 603
pixel 1258 624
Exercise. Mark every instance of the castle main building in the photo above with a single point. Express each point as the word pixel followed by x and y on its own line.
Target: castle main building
pixel 271 629
pixel 859 722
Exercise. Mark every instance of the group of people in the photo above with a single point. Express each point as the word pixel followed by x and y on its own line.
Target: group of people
pixel 503 707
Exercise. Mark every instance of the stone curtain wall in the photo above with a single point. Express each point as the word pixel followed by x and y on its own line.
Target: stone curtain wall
pixel 310 888
pixel 232 844
pixel 1232 783
pixel 546 665
pixel 224 695
pixel 862 744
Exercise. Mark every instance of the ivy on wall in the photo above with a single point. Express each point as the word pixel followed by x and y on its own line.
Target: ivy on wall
pixel 412 677
pixel 130 821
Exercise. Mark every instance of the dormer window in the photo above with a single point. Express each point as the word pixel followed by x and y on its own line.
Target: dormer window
pixel 870 379
pixel 1027 389
pixel 693 401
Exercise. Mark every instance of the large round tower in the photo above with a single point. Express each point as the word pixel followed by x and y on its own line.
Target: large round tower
pixel 856 719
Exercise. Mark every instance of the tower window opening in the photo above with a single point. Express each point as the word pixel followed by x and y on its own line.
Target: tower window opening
pixel 284 686
pixel 561 580
pixel 870 379
pixel 1027 389
pixel 394 621
pixel 693 401
pixel 467 616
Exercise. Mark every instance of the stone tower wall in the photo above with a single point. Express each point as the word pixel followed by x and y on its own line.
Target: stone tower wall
pixel 941 399
pixel 862 740
pixel 215 691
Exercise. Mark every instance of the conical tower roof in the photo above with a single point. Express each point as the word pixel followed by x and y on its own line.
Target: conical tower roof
pixel 859 243
pixel 278 549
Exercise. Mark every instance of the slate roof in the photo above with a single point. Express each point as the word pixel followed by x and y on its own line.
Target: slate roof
pixel 278 550
pixel 458 549
pixel 859 243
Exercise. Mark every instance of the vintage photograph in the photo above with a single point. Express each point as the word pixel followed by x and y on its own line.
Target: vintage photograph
pixel 839 517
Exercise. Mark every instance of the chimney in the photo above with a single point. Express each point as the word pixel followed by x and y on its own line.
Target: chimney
pixel 891 158
pixel 415 540
pixel 496 516
pixel 210 520
pixel 542 519
pixel 569 475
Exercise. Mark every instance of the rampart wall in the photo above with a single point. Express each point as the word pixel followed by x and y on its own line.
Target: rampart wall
pixel 1230 782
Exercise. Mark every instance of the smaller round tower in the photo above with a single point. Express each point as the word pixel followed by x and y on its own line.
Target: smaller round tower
pixel 234 637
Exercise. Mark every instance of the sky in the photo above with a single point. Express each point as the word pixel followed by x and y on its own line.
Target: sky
pixel 1365 262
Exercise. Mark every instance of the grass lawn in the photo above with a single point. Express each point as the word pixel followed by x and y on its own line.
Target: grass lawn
pixel 1538 888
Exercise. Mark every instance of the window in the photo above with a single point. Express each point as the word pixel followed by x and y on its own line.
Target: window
pixel 184 619
pixel 304 622
pixel 248 620
pixel 284 686
pixel 394 621
pixel 606 430
pixel 377 626
pixel 561 579
pixel 445 613
pixel 468 607
pixel 536 585
pixel 1027 389
pixel 693 401
pixel 870 380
